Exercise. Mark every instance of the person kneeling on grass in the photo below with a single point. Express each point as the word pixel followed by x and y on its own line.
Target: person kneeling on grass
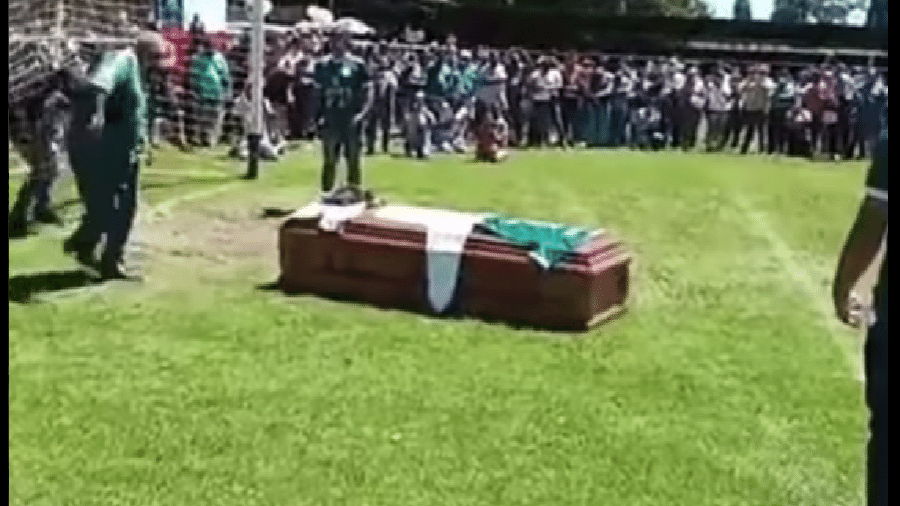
pixel 268 150
pixel 418 128
pixel 491 135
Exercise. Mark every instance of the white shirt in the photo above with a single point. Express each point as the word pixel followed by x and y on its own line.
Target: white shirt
pixel 494 91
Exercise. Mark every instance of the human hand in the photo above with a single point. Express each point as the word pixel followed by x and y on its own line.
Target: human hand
pixel 849 307
pixel 95 126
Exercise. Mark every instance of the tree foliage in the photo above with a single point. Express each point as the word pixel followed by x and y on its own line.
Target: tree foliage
pixel 816 11
pixel 672 8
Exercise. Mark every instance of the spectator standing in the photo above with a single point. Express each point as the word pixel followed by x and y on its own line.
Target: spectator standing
pixel 811 101
pixel 418 124
pixel 855 145
pixel 379 121
pixel 602 86
pixel 876 98
pixel 492 92
pixel 412 81
pixel 692 103
pixel 733 82
pixel 784 98
pixel 829 138
pixel 619 108
pixel 755 96
pixel 516 98
pixel 211 80
pixel 570 103
pixel 718 107
pixel 672 108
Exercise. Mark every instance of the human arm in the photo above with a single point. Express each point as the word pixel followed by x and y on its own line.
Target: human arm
pixel 368 91
pixel 866 235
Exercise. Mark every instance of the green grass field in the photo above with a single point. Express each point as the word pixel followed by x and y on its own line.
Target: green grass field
pixel 728 382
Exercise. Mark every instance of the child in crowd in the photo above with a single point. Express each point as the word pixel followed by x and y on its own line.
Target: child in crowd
pixel 444 128
pixel 270 146
pixel 491 135
pixel 419 123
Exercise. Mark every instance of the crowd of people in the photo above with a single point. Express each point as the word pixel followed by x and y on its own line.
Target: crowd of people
pixel 442 97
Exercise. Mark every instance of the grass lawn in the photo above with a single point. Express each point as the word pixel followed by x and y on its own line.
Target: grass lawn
pixel 726 383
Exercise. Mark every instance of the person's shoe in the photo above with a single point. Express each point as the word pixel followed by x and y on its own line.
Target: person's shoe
pixel 49 218
pixel 116 271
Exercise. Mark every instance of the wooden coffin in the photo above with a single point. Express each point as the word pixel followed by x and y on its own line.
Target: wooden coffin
pixel 383 261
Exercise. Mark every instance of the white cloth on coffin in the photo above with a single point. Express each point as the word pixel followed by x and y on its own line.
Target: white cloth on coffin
pixel 445 239
pixel 330 216
pixel 446 233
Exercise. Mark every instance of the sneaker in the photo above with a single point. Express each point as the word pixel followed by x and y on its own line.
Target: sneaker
pixel 112 271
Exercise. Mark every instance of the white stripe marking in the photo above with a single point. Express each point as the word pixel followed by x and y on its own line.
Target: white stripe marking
pixel 162 208
pixel 174 173
pixel 802 282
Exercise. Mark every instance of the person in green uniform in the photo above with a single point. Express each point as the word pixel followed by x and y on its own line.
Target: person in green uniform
pixel 345 92
pixel 117 130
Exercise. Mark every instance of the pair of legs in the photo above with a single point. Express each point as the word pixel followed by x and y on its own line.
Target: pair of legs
pixel 779 133
pixel 716 121
pixel 754 125
pixel 209 122
pixel 341 138
pixel 43 152
pixel 418 142
pixel 379 121
pixel 109 189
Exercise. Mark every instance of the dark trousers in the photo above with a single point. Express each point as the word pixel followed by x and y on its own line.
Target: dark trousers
pixel 670 121
pixel 733 128
pixel 32 201
pixel 618 121
pixel 715 132
pixel 569 107
pixel 856 142
pixel 109 192
pixel 754 125
pixel 779 134
pixel 118 207
pixel 556 120
pixel 539 123
pixel 340 139
pixel 379 120
pixel 689 120
pixel 84 160
pixel 876 362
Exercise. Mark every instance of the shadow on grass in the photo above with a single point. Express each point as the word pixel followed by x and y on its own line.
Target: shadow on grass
pixel 24 287
pixel 275 212
pixel 454 312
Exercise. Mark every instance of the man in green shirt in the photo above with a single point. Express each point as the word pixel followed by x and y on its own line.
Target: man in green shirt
pixel 346 96
pixel 211 81
pixel 117 130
